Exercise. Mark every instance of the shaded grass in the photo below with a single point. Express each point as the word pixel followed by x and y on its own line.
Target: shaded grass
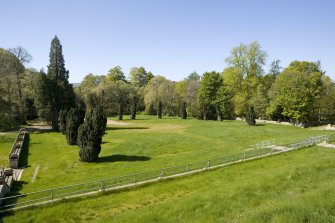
pixel 292 187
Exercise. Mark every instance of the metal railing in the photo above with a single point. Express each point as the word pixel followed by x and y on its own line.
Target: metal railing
pixel 263 149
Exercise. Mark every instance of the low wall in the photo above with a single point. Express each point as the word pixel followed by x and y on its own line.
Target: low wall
pixel 6 182
pixel 15 152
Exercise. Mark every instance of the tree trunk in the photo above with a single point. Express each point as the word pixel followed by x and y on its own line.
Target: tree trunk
pixel 54 120
pixel 133 109
pixel 120 113
pixel 183 113
pixel 159 110
pixel 204 112
pixel 218 113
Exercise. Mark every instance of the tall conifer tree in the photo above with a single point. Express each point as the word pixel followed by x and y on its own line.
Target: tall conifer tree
pixel 62 94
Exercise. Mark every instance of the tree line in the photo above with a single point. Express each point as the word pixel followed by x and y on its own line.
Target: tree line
pixel 301 93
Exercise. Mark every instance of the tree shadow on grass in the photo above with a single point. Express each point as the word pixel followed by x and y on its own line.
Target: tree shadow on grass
pixel 122 158
pixel 39 130
pixel 23 161
pixel 126 128
pixel 15 190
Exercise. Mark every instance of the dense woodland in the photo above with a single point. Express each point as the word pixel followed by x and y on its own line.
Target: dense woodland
pixel 301 93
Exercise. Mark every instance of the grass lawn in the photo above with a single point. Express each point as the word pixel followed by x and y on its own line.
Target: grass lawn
pixel 6 142
pixel 293 187
pixel 144 144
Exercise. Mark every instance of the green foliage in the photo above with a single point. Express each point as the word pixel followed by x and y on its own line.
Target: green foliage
pixel 224 101
pixel 74 118
pixel 244 74
pixel 161 93
pixel 207 94
pixel 116 74
pixel 296 90
pixel 325 105
pixel 86 89
pixel 62 121
pixel 139 76
pixel 10 106
pixel 90 135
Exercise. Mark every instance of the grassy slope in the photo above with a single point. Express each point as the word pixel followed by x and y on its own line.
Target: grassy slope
pixel 6 142
pixel 293 187
pixel 144 145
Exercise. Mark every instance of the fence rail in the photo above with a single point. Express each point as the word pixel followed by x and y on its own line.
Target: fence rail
pixel 262 149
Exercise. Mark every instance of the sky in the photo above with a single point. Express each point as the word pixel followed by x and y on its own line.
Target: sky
pixel 172 38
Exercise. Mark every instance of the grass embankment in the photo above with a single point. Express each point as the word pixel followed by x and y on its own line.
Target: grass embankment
pixel 144 144
pixel 6 142
pixel 292 187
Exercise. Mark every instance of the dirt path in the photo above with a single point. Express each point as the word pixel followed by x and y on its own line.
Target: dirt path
pixel 112 122
pixel 324 144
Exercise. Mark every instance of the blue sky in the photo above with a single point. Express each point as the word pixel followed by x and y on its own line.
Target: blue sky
pixel 171 37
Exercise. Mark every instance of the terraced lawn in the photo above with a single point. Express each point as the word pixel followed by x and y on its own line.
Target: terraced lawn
pixel 144 144
pixel 292 187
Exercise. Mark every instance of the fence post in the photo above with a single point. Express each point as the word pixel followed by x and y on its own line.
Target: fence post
pixel 52 196
pixel 162 173
pixel 135 178
pixel 208 164
pixel 244 156
pixel 187 168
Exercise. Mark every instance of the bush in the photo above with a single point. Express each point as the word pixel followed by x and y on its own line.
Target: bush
pixel 90 135
pixel 74 119
pixel 62 121
pixel 251 116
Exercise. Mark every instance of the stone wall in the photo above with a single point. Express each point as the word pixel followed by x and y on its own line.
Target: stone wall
pixel 14 155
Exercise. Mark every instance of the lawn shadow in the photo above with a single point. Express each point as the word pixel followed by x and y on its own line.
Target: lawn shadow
pixel 122 158
pixel 15 190
pixel 16 187
pixel 39 130
pixel 259 124
pixel 23 161
pixel 125 128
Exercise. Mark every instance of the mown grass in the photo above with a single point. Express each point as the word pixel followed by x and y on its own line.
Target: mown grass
pixel 293 187
pixel 6 142
pixel 144 144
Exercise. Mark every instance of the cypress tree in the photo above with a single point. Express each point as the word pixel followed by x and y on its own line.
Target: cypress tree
pixel 74 119
pixel 90 135
pixel 62 94
pixel 62 121
pixel 251 116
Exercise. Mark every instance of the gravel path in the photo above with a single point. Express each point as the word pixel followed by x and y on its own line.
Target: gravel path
pixel 112 122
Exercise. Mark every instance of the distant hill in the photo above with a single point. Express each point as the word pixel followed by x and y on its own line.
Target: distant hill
pixel 76 84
